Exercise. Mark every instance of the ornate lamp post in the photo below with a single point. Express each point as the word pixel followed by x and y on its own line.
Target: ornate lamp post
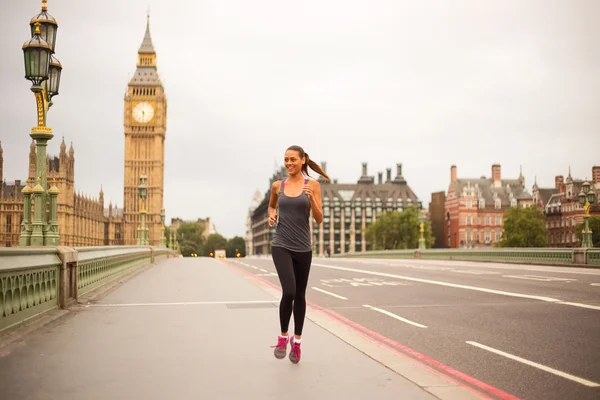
pixel 587 197
pixel 163 239
pixel 142 231
pixel 44 71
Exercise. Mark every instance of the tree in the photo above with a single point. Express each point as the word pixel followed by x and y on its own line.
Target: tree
pixel 190 238
pixel 236 243
pixel 398 230
pixel 214 242
pixel 594 225
pixel 524 227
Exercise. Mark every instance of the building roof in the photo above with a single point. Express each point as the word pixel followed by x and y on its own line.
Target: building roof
pixel 545 195
pixel 397 192
pixel 12 190
pixel 146 75
pixel 486 189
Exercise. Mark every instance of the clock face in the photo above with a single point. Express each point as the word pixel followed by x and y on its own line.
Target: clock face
pixel 143 112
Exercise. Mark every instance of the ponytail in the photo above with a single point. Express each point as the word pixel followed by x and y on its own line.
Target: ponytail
pixel 309 163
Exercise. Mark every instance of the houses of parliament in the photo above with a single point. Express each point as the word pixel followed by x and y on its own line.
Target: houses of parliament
pixel 88 221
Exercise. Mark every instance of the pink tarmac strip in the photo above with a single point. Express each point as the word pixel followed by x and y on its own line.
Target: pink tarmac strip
pixel 433 365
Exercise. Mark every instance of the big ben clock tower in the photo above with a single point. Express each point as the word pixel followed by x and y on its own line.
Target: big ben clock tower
pixel 145 123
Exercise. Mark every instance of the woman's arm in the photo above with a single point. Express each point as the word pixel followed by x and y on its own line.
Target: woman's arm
pixel 313 190
pixel 273 202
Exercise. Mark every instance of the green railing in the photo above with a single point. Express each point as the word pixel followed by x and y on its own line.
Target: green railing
pixel 29 282
pixel 36 280
pixel 98 265
pixel 548 256
pixel 593 256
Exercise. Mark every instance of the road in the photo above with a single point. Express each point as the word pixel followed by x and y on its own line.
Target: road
pixel 531 331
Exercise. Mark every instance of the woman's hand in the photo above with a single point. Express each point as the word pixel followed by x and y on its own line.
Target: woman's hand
pixel 272 217
pixel 309 191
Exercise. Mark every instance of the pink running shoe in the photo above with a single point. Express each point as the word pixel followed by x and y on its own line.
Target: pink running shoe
pixel 281 347
pixel 295 352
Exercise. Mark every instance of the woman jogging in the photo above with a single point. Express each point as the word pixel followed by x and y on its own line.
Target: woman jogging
pixel 289 209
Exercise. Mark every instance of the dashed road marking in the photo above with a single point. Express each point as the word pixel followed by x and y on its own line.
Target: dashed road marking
pixel 329 293
pixel 536 365
pixel 399 318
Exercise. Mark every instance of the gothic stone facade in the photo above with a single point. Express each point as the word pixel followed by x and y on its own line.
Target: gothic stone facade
pixel 145 122
pixel 83 220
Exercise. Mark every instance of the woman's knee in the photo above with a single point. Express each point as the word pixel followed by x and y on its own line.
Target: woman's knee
pixel 288 295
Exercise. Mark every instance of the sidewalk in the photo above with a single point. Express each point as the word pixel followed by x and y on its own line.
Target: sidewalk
pixel 191 328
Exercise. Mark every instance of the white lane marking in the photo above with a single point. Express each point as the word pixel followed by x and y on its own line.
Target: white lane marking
pixel 454 285
pixel 263 270
pixel 399 318
pixel 595 284
pixel 536 365
pixel 568 303
pixel 431 264
pixel 329 293
pixel 186 303
pixel 268 274
pixel 539 278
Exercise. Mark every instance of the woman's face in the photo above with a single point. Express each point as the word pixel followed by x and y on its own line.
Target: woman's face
pixel 293 162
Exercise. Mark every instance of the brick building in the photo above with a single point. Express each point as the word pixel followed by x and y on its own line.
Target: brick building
pixel 437 218
pixel 561 207
pixel 474 207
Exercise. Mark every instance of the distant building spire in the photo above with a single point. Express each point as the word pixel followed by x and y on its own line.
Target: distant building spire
pixel 147 47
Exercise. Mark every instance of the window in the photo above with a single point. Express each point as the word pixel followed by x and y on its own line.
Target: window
pixel 482 203
pixel 469 236
pixel 8 224
pixel 488 236
pixel 498 220
pixel 513 203
pixel 498 236
pixel 498 204
pixel 488 220
pixel 469 204
pixel 469 220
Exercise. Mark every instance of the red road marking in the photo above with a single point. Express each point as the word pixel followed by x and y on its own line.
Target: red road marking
pixel 428 362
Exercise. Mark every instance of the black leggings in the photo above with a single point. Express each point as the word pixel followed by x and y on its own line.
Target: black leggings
pixel 292 268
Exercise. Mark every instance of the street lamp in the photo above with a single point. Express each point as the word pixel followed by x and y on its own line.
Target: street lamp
pixel 587 197
pixel 143 232
pixel 163 239
pixel 43 69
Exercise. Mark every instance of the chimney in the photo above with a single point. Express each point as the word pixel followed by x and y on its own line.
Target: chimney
pixel 496 175
pixel 596 174
pixel 559 183
pixel 380 177
pixel 453 174
pixel 399 169
pixel 364 169
pixel 388 174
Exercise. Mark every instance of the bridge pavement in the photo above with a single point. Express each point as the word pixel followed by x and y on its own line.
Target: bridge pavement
pixel 200 328
pixel 529 331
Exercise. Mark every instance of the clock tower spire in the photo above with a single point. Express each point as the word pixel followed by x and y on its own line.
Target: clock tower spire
pixel 145 125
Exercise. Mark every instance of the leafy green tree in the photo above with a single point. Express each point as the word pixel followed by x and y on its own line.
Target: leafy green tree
pixel 214 242
pixel 234 243
pixel 398 230
pixel 524 227
pixel 594 225
pixel 190 238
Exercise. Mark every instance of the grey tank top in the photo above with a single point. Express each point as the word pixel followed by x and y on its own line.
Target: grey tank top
pixel 292 231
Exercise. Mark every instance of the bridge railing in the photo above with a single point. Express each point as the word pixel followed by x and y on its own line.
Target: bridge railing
pixel 547 256
pixel 36 280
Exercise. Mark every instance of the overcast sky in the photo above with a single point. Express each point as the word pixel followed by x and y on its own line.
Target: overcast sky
pixel 425 83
